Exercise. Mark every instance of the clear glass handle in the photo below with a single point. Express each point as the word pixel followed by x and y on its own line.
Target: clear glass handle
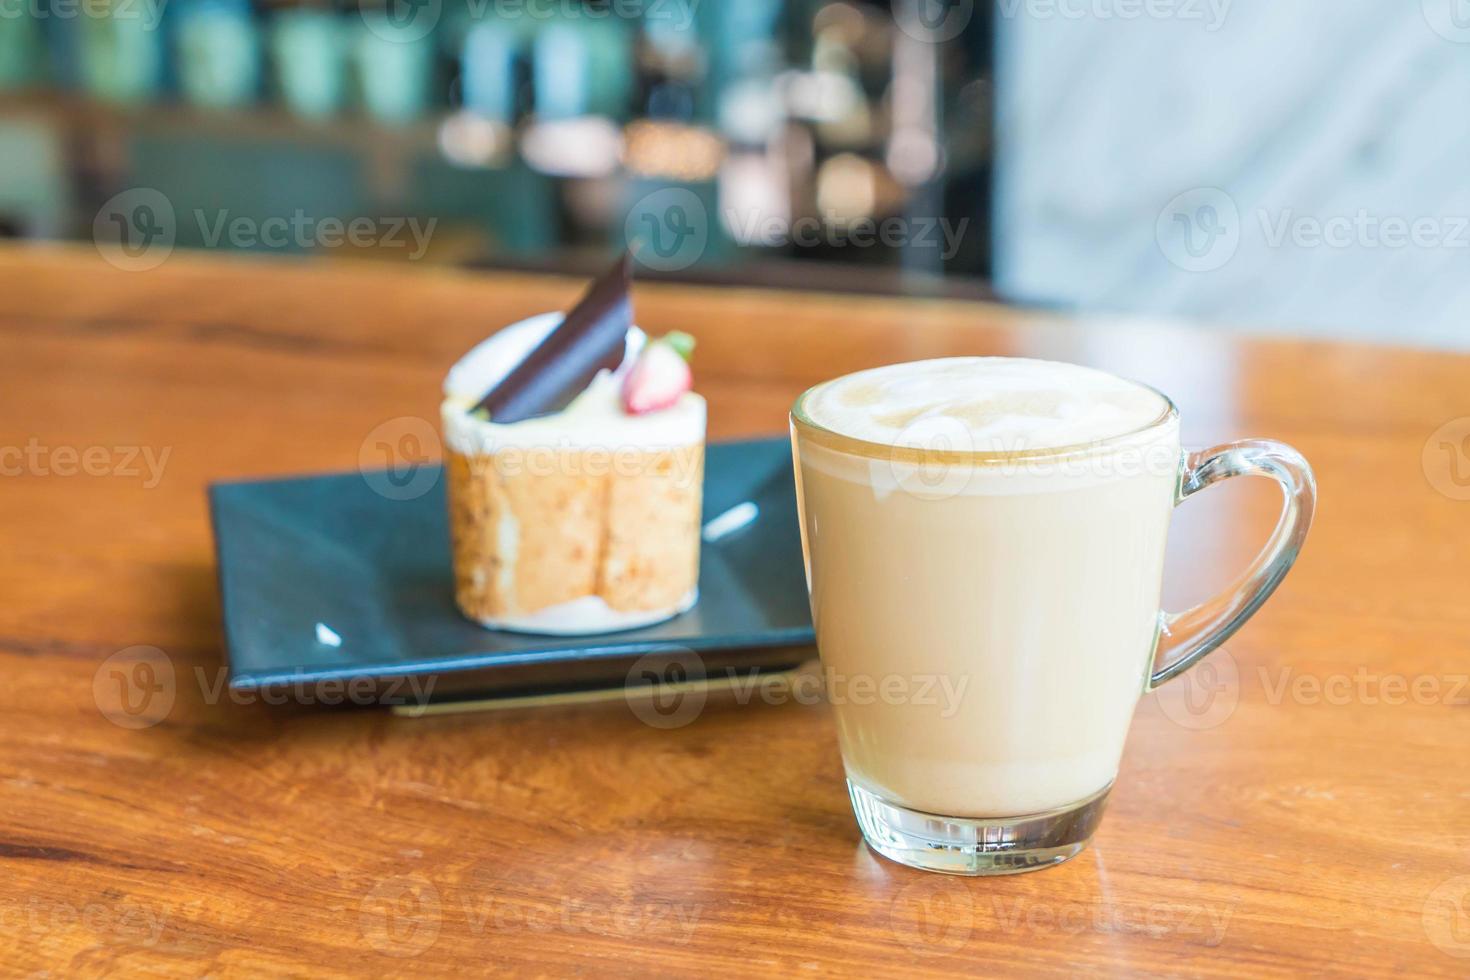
pixel 1185 638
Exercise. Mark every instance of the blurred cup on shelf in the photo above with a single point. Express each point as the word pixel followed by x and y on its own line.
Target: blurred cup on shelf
pixel 488 71
pixel 310 53
pixel 121 55
pixel 395 63
pixel 20 50
pixel 583 67
pixel 218 56
pixel 562 72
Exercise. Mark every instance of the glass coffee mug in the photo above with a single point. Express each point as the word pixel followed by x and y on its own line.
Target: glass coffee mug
pixel 984 542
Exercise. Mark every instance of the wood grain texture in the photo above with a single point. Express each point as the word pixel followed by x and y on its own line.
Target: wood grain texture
pixel 1258 828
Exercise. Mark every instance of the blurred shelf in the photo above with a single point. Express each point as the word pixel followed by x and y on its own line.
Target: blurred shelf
pixel 352 131
pixel 802 275
pixel 100 140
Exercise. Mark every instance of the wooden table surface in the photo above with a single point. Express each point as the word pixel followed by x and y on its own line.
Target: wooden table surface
pixel 1300 805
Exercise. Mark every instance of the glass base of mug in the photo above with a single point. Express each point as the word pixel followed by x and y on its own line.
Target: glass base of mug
pixel 976 845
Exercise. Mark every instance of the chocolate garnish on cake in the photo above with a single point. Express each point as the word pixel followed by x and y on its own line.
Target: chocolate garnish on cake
pixel 592 338
pixel 574 507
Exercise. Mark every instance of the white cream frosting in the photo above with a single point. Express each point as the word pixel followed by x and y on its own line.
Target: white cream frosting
pixel 984 404
pixel 594 420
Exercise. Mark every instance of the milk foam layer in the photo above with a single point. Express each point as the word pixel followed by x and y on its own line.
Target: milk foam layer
pixel 594 420
pixel 983 404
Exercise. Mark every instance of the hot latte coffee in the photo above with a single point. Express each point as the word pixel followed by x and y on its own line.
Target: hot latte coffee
pixel 984 543
pixel 999 523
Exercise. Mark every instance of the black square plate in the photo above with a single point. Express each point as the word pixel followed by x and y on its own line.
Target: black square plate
pixel 324 579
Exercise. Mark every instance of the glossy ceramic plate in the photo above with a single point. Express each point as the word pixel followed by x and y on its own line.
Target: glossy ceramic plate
pixel 326 580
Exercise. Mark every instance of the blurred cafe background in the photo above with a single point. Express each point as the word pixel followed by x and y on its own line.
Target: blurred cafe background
pixel 1253 165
